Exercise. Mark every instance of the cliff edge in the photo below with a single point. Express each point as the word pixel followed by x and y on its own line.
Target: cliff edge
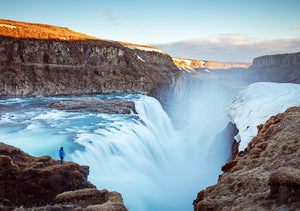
pixel 43 60
pixel 266 176
pixel 192 64
pixel 42 183
pixel 282 68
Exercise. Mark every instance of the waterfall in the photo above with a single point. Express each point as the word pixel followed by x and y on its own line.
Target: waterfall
pixel 154 163
pixel 131 154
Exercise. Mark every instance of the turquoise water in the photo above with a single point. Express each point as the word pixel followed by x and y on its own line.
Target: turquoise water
pixel 153 165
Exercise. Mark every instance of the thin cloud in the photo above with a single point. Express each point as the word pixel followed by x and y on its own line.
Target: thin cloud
pixel 295 27
pixel 110 17
pixel 229 47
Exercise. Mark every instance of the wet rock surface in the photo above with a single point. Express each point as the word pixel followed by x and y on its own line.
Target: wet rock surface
pixel 266 175
pixel 41 183
pixel 95 105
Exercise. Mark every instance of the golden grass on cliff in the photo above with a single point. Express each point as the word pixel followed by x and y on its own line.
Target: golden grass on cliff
pixel 17 29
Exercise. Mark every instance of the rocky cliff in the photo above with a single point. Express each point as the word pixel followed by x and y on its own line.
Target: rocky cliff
pixel 42 60
pixel 210 65
pixel 283 68
pixel 41 183
pixel 266 176
pixel 276 68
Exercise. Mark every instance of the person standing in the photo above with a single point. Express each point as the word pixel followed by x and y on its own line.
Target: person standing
pixel 61 155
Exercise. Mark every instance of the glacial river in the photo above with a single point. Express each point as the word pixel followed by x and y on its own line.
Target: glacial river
pixel 152 163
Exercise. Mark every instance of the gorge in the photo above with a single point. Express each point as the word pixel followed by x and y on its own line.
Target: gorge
pixel 165 138
pixel 141 155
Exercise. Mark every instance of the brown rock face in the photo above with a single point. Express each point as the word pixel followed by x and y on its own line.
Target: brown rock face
pixel 267 176
pixel 285 185
pixel 93 199
pixel 52 67
pixel 41 183
pixel 34 181
pixel 95 105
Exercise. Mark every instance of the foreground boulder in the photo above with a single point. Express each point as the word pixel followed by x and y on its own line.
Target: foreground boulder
pixel 95 105
pixel 92 199
pixel 35 182
pixel 266 175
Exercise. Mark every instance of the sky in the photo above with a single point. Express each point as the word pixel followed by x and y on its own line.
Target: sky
pixel 222 30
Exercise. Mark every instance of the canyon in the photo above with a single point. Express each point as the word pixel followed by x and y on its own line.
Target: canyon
pixel 281 68
pixel 40 60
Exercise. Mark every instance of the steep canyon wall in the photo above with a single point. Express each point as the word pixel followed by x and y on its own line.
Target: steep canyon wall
pixel 284 68
pixel 265 176
pixel 41 67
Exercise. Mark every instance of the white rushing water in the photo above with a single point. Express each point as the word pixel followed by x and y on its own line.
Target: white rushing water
pixel 153 165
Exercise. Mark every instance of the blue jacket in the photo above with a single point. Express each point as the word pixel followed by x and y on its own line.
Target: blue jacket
pixel 61 153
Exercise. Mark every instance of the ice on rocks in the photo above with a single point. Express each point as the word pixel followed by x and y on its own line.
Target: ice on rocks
pixel 255 104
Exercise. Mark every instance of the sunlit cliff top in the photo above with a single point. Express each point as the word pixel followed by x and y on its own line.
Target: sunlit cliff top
pixel 19 29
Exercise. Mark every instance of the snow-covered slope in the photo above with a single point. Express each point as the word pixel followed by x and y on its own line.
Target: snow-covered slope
pixel 256 103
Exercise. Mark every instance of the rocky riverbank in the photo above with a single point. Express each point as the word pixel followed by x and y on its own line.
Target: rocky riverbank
pixel 38 183
pixel 263 177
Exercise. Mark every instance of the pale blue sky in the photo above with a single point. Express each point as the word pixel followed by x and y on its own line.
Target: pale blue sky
pixel 164 22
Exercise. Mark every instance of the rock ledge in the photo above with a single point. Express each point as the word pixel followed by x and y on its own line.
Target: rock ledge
pixel 42 183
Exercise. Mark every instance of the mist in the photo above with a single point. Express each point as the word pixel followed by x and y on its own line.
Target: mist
pixel 156 160
pixel 161 161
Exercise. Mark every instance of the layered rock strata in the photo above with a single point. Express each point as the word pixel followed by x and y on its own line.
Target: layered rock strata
pixel 283 68
pixel 52 67
pixel 266 175
pixel 211 65
pixel 42 183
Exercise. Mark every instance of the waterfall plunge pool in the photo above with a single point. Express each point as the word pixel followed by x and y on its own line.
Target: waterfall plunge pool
pixel 155 163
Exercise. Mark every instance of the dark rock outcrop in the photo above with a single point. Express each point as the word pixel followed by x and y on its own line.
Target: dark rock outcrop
pixel 95 105
pixel 267 176
pixel 284 68
pixel 52 67
pixel 34 182
pixel 224 141
pixel 285 185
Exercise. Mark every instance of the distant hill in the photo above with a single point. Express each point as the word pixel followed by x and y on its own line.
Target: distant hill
pixel 191 65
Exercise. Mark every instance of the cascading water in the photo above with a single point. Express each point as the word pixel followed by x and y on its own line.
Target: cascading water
pixel 153 165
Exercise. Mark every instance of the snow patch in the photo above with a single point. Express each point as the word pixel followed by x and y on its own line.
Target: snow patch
pixel 188 62
pixel 186 66
pixel 140 58
pixel 143 48
pixel 255 104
